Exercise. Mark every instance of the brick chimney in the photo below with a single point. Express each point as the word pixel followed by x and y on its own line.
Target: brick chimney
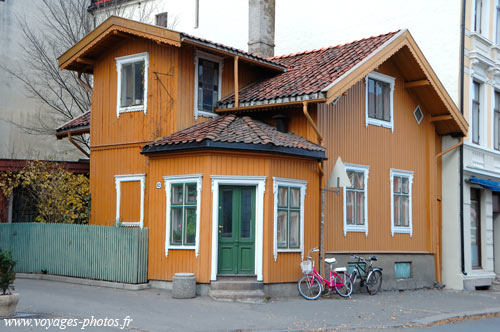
pixel 261 27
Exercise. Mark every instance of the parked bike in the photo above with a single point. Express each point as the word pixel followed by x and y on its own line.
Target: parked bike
pixel 369 276
pixel 312 284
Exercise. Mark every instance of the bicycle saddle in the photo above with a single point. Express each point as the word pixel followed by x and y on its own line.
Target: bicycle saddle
pixel 330 260
pixel 373 258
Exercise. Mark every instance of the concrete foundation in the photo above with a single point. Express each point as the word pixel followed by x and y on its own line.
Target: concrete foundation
pixel 422 274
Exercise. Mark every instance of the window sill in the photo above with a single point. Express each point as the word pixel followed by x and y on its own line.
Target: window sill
pixel 130 224
pixel 131 109
pixel 206 114
pixel 379 123
pixel 354 229
pixel 181 248
pixel 402 230
pixel 298 250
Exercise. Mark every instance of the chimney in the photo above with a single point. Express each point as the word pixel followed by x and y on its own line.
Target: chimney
pixel 261 27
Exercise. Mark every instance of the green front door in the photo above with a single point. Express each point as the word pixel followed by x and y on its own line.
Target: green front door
pixel 236 230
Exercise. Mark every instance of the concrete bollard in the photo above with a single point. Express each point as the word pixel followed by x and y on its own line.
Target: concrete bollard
pixel 184 286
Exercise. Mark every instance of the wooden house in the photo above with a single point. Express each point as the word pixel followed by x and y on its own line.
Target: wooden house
pixel 222 154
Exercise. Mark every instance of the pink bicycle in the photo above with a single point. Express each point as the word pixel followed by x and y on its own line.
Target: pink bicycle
pixel 312 284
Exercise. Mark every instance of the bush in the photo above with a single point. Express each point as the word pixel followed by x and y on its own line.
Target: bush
pixel 7 274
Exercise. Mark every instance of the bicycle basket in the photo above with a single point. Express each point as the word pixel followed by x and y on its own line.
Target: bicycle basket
pixel 306 266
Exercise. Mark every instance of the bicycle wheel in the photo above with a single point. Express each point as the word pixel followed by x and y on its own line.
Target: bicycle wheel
pixel 343 284
pixel 309 287
pixel 374 282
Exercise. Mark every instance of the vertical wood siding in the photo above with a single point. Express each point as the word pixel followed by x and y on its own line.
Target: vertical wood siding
pixel 410 147
pixel 130 205
pixel 286 268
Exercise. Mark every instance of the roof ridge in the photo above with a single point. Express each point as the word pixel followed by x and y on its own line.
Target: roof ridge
pixel 277 57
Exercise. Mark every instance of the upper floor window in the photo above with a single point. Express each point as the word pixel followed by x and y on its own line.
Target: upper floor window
pixel 379 100
pixel 208 77
pixel 476 111
pixel 401 201
pixel 496 122
pixel 356 200
pixel 132 83
pixel 478 17
pixel 498 22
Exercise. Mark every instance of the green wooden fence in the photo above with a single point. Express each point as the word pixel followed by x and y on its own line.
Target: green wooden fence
pixel 83 251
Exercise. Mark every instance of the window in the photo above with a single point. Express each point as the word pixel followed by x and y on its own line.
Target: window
pixel 401 202
pixel 402 270
pixel 130 199
pixel 132 83
pixel 379 100
pixel 418 114
pixel 475 227
pixel 208 77
pixel 183 212
pixel 476 107
pixel 478 16
pixel 356 200
pixel 498 22
pixel 289 195
pixel 162 19
pixel 496 122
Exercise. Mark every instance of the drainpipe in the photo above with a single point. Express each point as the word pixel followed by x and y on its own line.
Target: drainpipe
pixel 461 170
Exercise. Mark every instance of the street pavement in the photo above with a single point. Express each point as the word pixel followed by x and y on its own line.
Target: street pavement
pixel 90 308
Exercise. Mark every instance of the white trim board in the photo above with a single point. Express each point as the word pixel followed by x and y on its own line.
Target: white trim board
pixel 260 183
pixel 141 178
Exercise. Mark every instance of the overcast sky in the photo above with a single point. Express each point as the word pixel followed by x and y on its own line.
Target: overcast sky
pixel 309 24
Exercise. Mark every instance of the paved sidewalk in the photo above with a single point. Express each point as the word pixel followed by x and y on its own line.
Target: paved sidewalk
pixel 155 310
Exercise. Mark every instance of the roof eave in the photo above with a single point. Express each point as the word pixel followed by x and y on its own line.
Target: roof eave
pixel 207 144
pixel 318 97
pixel 80 130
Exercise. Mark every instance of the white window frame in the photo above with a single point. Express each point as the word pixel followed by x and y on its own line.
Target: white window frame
pixel 125 60
pixel 483 113
pixel 356 228
pixel 213 58
pixel 190 178
pixel 141 178
pixel 401 229
pixel 302 185
pixel 376 122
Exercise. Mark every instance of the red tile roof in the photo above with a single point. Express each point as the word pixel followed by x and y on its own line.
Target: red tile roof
pixel 309 72
pixel 239 133
pixel 80 122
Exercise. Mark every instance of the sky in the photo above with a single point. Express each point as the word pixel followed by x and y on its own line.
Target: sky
pixel 311 24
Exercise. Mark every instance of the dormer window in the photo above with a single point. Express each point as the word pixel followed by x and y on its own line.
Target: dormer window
pixel 379 100
pixel 132 83
pixel 208 77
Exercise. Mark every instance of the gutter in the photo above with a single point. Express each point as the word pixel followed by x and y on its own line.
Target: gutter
pixel 461 164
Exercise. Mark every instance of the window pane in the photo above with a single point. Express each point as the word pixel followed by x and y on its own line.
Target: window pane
pixel 283 196
pixel 176 226
pixel 379 101
pixel 227 213
pixel 191 193
pixel 349 207
pixel 477 16
pixel 208 83
pixel 405 185
pixel 126 85
pixel 190 226
pixel 294 229
pixel 359 180
pixel 387 103
pixel 177 194
pixel 397 184
pixel 371 98
pixel 405 211
pixel 294 197
pixel 397 217
pixel 138 83
pixel 282 229
pixel 246 213
pixel 360 208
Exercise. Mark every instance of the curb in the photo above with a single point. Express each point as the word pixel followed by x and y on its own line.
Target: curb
pixel 81 281
pixel 443 318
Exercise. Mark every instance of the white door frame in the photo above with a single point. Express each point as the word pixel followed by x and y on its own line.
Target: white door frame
pixel 260 183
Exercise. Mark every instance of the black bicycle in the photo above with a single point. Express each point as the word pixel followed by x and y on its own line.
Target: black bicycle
pixel 369 276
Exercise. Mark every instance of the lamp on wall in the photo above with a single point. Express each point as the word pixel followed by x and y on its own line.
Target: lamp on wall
pixel 338 179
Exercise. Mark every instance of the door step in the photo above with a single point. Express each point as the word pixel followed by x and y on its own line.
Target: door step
pixel 238 289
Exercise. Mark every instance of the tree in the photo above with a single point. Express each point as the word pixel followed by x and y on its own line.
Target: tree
pixel 62 95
